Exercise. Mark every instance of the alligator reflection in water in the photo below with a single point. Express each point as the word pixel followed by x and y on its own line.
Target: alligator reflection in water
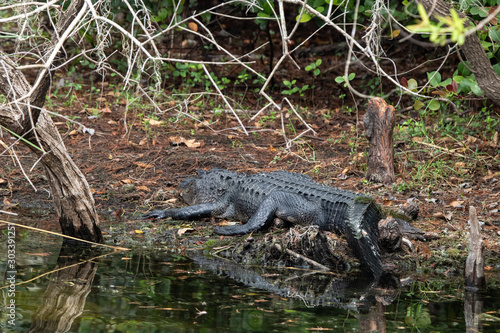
pixel 355 293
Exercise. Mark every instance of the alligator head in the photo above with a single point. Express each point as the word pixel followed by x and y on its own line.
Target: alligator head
pixel 207 186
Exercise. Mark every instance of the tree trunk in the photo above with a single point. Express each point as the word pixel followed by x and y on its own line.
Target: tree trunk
pixel 71 193
pixel 379 126
pixel 25 117
pixel 486 77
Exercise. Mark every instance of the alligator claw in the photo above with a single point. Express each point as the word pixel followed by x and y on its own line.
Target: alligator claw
pixel 154 214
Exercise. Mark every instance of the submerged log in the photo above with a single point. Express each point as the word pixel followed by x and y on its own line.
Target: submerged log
pixel 379 126
pixel 474 266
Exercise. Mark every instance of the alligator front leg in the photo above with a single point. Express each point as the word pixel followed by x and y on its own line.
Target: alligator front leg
pixel 290 207
pixel 185 213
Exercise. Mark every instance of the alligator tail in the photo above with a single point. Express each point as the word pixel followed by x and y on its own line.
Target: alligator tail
pixel 362 236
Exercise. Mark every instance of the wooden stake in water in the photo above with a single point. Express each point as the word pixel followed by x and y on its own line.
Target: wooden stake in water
pixel 474 267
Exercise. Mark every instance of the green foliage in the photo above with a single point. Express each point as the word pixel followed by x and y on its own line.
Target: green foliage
pixel 314 67
pixel 340 79
pixel 452 25
pixel 293 88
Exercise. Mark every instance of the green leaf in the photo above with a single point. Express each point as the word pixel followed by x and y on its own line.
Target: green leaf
pixel 475 89
pixel 351 76
pixel 496 67
pixel 317 71
pixel 478 11
pixel 262 14
pixel 339 79
pixel 464 85
pixel 446 82
pixel 434 78
pixel 308 68
pixel 462 69
pixel 305 18
pixel 412 84
pixel 494 34
pixel 418 105
pixel 434 105
pixel 318 62
pixel 486 44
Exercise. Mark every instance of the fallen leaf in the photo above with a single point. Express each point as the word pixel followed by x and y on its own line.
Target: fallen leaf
pixel 113 93
pixel 182 231
pixel 143 188
pixel 139 231
pixel 456 204
pixel 193 26
pixel 445 216
pixel 154 122
pixel 7 203
pixel 143 142
pixel 191 143
pixel 387 202
pixel 127 181
pixel 395 33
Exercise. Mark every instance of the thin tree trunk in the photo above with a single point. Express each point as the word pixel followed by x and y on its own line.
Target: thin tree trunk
pixel 24 116
pixel 486 77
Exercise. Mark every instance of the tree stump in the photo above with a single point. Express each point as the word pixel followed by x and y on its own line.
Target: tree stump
pixel 379 126
pixel 474 266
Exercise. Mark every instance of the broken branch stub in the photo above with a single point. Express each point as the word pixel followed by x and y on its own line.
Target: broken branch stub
pixel 379 126
pixel 474 266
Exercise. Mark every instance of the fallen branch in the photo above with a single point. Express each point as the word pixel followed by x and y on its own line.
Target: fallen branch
pixel 299 256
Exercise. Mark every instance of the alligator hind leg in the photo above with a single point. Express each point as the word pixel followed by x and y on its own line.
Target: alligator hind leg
pixel 290 207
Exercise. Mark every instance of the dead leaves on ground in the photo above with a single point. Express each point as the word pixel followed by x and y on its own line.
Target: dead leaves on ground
pixel 191 143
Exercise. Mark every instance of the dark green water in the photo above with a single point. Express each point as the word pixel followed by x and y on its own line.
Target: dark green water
pixel 147 290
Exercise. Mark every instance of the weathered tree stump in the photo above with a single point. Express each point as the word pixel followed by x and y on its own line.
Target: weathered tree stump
pixel 379 126
pixel 474 266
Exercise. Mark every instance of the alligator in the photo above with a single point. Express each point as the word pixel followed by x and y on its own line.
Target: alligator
pixel 260 198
